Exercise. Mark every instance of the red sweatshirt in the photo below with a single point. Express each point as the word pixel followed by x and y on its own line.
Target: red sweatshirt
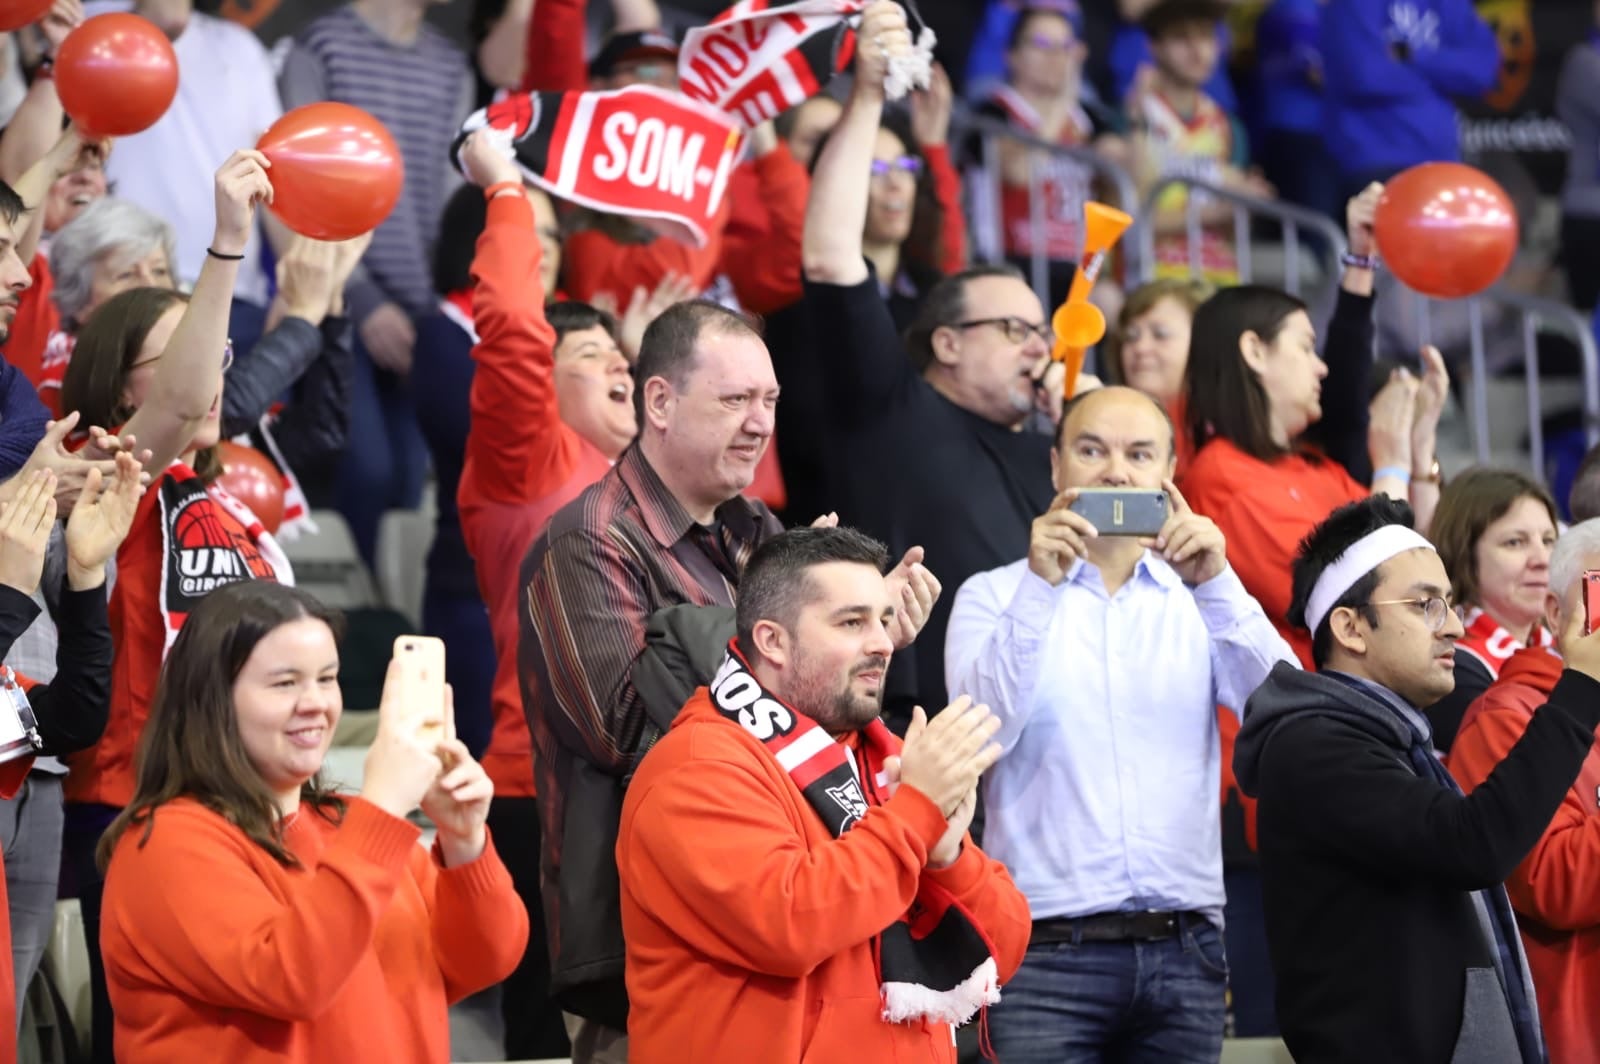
pixel 523 463
pixel 215 951
pixel 750 928
pixel 1553 890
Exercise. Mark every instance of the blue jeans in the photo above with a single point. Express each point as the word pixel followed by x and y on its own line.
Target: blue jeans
pixel 386 461
pixel 1130 1002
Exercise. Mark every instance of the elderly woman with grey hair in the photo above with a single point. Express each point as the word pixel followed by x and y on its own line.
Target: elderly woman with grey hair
pixel 114 246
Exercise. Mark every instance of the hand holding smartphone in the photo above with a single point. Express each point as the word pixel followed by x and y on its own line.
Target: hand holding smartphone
pixel 1591 599
pixel 422 699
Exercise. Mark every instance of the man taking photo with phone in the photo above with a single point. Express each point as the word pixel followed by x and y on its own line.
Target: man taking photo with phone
pixel 1105 803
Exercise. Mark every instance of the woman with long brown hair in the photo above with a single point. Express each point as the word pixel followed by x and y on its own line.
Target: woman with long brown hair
pixel 322 931
pixel 150 362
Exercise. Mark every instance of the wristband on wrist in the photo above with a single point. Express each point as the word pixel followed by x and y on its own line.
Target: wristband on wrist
pixel 1359 262
pixel 498 187
pixel 1400 473
pixel 214 253
pixel 44 69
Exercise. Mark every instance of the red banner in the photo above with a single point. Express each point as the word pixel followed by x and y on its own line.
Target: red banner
pixel 638 151
pixel 755 61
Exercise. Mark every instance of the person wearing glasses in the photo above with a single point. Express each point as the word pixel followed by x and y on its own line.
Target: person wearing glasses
pixel 923 440
pixel 1392 935
pixel 1106 802
pixel 149 364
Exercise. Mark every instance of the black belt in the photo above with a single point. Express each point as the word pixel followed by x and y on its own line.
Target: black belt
pixel 1113 927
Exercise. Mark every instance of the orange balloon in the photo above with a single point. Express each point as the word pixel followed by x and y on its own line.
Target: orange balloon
pixel 116 75
pixel 1445 229
pixel 249 476
pixel 15 14
pixel 336 172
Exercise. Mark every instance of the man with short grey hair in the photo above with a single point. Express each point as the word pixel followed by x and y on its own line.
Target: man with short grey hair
pixel 1552 891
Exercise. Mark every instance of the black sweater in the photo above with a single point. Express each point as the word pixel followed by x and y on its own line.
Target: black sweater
pixel 1368 869
pixel 912 468
pixel 72 708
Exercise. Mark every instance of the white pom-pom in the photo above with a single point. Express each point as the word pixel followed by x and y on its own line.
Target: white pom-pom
pixel 913 70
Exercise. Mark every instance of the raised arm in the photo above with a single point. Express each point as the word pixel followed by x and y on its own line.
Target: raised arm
pixel 555 48
pixel 1350 349
pixel 837 211
pixel 517 444
pixel 189 373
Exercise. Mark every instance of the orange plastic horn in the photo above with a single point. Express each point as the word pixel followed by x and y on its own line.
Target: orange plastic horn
pixel 1078 324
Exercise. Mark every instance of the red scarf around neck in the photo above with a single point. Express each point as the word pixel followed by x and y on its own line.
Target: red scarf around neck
pixel 1490 643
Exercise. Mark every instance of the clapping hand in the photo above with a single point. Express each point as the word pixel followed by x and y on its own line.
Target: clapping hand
pixel 25 523
pixel 913 589
pixel 101 520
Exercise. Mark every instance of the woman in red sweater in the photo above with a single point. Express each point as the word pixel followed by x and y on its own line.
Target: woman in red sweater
pixel 253 915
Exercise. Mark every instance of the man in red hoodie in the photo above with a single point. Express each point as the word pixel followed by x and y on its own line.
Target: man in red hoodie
pixel 1552 890
pixel 795 883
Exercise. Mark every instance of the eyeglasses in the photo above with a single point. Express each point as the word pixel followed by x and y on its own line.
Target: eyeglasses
pixel 1435 610
pixel 1017 331
pixel 227 359
pixel 906 164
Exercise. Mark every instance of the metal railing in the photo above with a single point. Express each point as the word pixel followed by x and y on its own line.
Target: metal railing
pixel 1294 221
pixel 988 228
pixel 1537 314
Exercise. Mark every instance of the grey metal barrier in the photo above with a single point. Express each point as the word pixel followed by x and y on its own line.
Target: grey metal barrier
pixel 1536 315
pixel 984 211
pixel 1295 221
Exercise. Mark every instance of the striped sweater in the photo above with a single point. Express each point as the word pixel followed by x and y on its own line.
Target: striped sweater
pixel 421 92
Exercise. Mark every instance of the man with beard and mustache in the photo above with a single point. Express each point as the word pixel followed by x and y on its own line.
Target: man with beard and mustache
pixel 1391 933
pixel 1106 802
pixel 794 881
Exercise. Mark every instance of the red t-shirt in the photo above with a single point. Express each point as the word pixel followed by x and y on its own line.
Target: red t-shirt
pixel 35 320
pixel 1265 509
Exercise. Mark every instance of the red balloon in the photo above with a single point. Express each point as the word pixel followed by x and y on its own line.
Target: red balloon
pixel 15 14
pixel 116 75
pixel 336 172
pixel 1445 229
pixel 249 476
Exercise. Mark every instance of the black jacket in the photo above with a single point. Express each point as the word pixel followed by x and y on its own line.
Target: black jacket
pixel 72 708
pixel 1368 869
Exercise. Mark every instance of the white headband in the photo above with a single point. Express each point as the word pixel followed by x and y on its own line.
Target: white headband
pixel 1358 559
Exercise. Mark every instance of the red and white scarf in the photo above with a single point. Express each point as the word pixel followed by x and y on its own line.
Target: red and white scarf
pixel 208 539
pixel 296 510
pixel 1491 644
pixel 640 151
pixel 937 936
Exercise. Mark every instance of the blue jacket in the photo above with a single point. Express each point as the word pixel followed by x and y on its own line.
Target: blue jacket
pixel 1289 66
pixel 1390 113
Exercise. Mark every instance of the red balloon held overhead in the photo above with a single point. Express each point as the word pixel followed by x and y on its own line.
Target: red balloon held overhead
pixel 1445 229
pixel 15 14
pixel 249 476
pixel 116 74
pixel 336 172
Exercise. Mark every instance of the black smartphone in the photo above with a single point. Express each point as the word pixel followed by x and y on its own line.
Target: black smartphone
pixel 1591 599
pixel 1122 511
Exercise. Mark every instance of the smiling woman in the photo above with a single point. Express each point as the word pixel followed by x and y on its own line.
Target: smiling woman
pixel 326 932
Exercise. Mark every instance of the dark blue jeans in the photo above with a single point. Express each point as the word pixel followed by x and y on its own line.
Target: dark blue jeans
pixel 1130 1002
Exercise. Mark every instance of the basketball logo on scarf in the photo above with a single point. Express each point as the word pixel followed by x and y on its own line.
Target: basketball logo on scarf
pixel 755 61
pixel 639 151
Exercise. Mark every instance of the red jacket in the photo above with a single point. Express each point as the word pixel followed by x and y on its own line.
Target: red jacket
pixel 523 463
pixel 750 928
pixel 1553 889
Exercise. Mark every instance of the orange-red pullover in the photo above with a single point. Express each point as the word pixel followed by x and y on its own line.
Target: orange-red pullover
pixel 750 928
pixel 1553 889
pixel 215 951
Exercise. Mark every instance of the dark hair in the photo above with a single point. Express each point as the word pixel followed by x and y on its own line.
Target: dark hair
pixel 668 347
pixel 1323 545
pixel 1169 15
pixel 1225 396
pixel 945 304
pixel 571 317
pixel 108 345
pixel 11 205
pixel 465 215
pixel 1467 507
pixel 922 253
pixel 784 124
pixel 1082 398
pixel 1583 501
pixel 776 586
pixel 191 746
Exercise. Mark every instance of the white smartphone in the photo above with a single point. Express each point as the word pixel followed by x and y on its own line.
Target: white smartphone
pixel 421 685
